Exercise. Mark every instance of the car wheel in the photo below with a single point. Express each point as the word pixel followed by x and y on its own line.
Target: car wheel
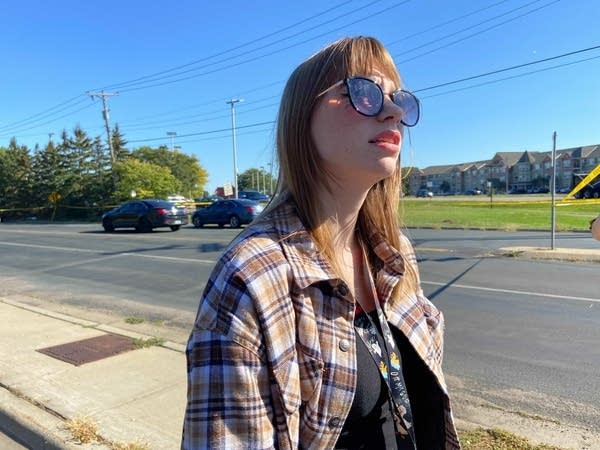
pixel 175 227
pixel 197 222
pixel 144 225
pixel 234 221
pixel 108 226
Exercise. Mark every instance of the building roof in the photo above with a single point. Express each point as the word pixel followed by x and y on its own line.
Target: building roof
pixel 509 159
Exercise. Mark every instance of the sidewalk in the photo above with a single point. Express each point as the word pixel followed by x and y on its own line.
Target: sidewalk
pixel 558 253
pixel 134 397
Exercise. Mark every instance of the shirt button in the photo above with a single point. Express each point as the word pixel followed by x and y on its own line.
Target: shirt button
pixel 334 422
pixel 344 345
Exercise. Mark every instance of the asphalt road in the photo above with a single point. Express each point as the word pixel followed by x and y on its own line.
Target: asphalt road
pixel 523 334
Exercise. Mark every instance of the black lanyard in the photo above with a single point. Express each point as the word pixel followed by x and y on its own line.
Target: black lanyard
pixel 389 364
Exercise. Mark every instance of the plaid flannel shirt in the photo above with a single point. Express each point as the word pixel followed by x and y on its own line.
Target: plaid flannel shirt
pixel 271 359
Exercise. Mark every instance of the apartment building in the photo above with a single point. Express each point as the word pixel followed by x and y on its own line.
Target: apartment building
pixel 526 171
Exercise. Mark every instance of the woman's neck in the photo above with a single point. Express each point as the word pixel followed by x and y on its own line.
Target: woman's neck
pixel 340 209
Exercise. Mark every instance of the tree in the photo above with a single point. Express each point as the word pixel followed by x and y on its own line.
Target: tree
pixel 119 143
pixel 254 179
pixel 185 168
pixel 15 169
pixel 145 179
pixel 406 172
pixel 48 173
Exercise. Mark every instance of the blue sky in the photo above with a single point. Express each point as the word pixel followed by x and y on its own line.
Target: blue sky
pixel 187 58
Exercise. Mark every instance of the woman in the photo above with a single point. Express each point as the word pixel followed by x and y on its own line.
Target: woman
pixel 291 348
pixel 595 228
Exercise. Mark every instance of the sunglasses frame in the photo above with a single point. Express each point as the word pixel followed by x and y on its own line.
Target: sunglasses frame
pixel 346 82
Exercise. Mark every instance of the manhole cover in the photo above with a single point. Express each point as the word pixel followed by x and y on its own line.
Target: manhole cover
pixel 88 350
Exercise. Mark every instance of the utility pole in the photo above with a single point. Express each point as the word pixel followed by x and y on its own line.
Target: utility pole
pixel 232 102
pixel 102 95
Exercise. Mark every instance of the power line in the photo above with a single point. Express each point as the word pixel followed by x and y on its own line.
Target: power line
pixel 246 61
pixel 439 85
pixel 406 37
pixel 13 132
pixel 41 115
pixel 512 77
pixel 477 33
pixel 337 17
pixel 246 44
pixel 505 69
pixel 201 133
pixel 531 63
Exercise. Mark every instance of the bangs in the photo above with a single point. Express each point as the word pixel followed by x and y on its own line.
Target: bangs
pixel 364 55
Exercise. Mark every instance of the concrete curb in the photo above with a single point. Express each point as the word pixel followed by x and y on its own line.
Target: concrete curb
pixel 30 425
pixel 558 254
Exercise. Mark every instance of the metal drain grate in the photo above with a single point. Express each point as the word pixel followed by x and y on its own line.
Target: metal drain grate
pixel 88 350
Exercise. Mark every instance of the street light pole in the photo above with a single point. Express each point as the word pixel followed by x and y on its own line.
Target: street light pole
pixel 270 178
pixel 232 102
pixel 172 134
pixel 553 193
pixel 262 171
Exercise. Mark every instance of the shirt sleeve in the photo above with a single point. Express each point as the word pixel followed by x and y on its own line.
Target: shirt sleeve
pixel 230 388
pixel 433 316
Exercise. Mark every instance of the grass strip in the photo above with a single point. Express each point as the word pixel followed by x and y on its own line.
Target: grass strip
pixel 501 215
pixel 494 439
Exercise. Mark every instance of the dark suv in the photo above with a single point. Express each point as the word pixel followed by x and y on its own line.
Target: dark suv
pixel 145 215
pixel 254 195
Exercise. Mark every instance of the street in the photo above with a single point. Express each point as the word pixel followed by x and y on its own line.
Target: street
pixel 521 334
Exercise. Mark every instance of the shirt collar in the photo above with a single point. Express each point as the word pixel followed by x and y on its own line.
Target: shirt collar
pixel 307 263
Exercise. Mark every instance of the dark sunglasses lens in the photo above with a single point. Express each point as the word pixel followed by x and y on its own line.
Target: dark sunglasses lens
pixel 410 107
pixel 365 95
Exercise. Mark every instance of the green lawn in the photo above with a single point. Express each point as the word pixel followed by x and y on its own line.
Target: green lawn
pixel 504 213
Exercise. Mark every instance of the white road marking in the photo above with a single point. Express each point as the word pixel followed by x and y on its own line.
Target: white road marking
pixel 510 291
pixel 82 250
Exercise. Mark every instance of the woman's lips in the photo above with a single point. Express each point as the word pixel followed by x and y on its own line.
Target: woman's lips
pixel 388 140
pixel 389 137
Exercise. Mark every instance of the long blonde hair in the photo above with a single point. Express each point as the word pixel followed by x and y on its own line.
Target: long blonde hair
pixel 301 171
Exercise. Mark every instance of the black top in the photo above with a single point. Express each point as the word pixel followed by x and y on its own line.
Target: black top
pixel 370 424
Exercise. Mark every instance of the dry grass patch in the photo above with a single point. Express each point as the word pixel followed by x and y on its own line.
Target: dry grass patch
pixel 494 439
pixel 129 446
pixel 83 429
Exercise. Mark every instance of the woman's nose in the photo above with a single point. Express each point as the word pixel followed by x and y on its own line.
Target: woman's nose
pixel 390 110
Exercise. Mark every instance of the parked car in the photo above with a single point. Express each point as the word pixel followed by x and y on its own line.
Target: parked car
pixel 254 195
pixel 473 192
pixel 145 215
pixel 234 212
pixel 424 193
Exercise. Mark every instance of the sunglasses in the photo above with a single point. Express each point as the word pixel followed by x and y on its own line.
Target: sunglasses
pixel 366 97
